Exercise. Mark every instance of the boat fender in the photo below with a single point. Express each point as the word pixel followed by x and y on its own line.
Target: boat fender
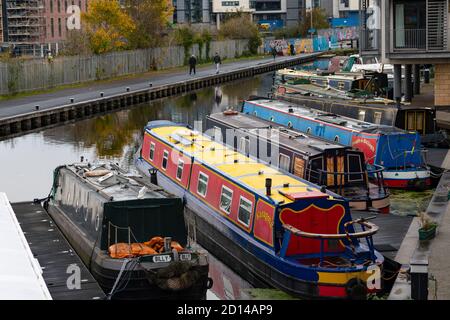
pixel 356 289
pixel 179 275
pixel 209 283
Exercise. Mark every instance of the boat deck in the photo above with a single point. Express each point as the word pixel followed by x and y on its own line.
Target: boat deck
pixel 54 254
pixel 392 230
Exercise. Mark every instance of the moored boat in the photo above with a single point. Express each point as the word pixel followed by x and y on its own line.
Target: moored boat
pixel 269 226
pixel 398 151
pixel 128 232
pixel 340 168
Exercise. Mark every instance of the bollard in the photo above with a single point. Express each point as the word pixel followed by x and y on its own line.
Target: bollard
pixel 128 89
pixel 71 100
pixel 101 94
pixel 419 280
pixel 37 108
pixel 150 84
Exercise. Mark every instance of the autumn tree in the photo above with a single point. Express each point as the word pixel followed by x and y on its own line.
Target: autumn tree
pixel 152 18
pixel 108 26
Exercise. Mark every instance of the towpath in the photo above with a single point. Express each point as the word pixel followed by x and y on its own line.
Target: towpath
pixel 22 105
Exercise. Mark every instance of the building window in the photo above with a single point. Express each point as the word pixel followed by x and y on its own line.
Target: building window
pixel 59 27
pixel 285 162
pixel 245 211
pixel 202 186
pixel 165 159
pixel 51 6
pixel 59 5
pixel 225 199
pixel 52 27
pixel 180 169
pixel 230 3
pixel 152 151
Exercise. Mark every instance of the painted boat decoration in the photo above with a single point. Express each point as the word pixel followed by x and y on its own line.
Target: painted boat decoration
pixel 398 151
pixel 340 168
pixel 268 226
pixel 108 216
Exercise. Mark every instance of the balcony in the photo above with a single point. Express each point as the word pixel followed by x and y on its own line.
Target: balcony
pixel 370 41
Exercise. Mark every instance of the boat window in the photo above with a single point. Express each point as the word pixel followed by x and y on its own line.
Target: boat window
pixel 354 165
pixel 255 113
pixel 341 85
pixel 202 186
pixel 165 159
pixel 226 198
pixel 245 210
pixel 362 115
pixel 290 124
pixel 308 131
pixel 336 139
pixel 152 151
pixel 244 145
pixel 314 169
pixel 419 121
pixel 377 117
pixel 284 162
pixel 272 119
pixel 180 169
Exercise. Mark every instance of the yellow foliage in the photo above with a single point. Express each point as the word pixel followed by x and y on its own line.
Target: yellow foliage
pixel 108 26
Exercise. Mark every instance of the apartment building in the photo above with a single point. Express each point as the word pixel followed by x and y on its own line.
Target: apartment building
pixel 409 33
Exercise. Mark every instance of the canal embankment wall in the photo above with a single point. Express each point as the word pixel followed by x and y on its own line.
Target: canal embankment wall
pixel 121 98
pixel 20 75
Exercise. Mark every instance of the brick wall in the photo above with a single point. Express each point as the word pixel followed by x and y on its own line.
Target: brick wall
pixel 442 85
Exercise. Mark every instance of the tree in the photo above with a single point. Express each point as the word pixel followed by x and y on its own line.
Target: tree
pixel 240 26
pixel 108 26
pixel 151 18
pixel 320 21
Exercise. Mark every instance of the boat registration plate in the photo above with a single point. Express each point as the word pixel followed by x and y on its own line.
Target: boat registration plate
pixel 162 258
pixel 185 257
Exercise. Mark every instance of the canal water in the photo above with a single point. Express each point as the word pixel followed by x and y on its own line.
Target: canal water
pixel 27 162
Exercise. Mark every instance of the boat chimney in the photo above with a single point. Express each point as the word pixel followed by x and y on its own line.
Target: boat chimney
pixel 153 177
pixel 268 186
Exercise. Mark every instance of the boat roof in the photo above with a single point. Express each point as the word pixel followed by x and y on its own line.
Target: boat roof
pixel 20 273
pixel 115 183
pixel 287 137
pixel 332 76
pixel 334 119
pixel 249 173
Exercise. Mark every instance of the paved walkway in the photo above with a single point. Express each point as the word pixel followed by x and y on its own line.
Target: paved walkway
pixel 27 104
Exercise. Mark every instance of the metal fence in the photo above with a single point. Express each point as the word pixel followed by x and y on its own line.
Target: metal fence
pixel 18 75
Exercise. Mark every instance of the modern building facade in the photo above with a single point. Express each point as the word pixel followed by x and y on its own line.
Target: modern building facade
pixel 410 33
pixel 283 12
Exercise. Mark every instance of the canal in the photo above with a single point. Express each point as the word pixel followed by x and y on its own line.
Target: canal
pixel 27 162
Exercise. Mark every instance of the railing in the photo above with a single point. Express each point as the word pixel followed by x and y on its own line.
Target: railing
pixel 410 38
pixel 343 179
pixel 368 230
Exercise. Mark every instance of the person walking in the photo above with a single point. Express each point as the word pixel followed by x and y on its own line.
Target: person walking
pixel 192 63
pixel 217 62
pixel 274 52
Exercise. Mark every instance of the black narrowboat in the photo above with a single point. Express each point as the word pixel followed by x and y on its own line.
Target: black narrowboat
pixel 340 168
pixel 102 209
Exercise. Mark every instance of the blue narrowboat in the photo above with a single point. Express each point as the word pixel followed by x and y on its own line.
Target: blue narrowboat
pixel 273 228
pixel 398 151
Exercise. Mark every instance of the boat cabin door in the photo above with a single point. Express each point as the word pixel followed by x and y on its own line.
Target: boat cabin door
pixel 415 121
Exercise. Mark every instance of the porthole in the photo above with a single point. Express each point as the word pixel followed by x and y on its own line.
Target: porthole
pixel 255 113
pixel 336 139
pixel 308 131
pixel 289 125
pixel 272 119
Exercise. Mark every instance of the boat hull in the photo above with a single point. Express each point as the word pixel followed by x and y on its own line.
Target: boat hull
pixel 257 266
pixel 407 179
pixel 105 270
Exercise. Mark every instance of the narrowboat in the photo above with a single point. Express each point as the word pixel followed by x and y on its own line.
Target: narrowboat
pixel 269 226
pixel 340 168
pixel 374 110
pixel 398 151
pixel 357 83
pixel 109 216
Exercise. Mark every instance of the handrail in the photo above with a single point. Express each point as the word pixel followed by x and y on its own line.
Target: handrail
pixel 372 229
